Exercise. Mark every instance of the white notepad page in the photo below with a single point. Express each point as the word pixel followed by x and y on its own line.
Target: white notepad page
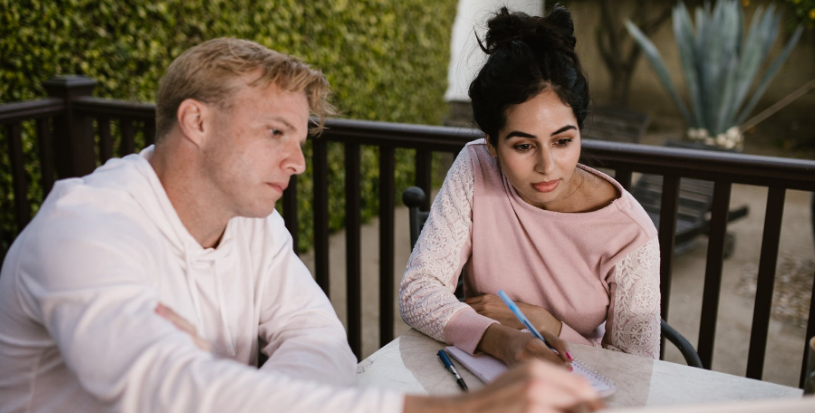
pixel 488 368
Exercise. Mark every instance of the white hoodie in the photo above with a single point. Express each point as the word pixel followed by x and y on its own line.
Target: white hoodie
pixel 80 284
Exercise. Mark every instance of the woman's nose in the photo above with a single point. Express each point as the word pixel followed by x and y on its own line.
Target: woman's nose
pixel 546 162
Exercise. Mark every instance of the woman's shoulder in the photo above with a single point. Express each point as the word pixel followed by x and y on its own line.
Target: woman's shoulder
pixel 598 189
pixel 474 148
pixel 473 156
pixel 607 190
pixel 634 211
pixel 476 154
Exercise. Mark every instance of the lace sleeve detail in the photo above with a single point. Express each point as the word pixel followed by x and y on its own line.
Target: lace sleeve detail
pixel 426 295
pixel 636 317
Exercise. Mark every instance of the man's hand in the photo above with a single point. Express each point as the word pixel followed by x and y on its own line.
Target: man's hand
pixel 183 325
pixel 531 387
pixel 491 305
pixel 513 346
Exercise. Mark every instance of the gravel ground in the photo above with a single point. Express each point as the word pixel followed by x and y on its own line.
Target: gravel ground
pixel 792 291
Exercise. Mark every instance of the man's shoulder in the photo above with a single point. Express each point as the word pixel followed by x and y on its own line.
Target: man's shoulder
pixel 76 200
pixel 77 213
pixel 79 230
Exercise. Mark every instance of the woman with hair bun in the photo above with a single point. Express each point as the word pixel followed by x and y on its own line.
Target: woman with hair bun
pixel 518 212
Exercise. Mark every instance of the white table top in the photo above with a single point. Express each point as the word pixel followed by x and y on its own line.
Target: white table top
pixel 409 364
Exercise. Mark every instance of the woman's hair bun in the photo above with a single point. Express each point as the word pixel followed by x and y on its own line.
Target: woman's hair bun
pixel 527 54
pixel 554 31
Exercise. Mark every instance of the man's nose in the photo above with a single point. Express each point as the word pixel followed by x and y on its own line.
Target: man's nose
pixel 295 159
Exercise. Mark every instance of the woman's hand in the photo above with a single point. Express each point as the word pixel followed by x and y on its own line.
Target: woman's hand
pixel 513 346
pixel 183 325
pixel 491 305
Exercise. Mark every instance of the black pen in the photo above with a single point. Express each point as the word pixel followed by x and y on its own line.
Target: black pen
pixel 448 364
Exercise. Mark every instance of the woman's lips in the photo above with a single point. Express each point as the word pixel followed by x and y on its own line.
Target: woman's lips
pixel 546 186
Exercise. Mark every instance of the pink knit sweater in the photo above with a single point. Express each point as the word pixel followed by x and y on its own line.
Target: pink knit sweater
pixel 597 272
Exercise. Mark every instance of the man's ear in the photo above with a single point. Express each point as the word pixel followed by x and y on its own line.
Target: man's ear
pixel 192 118
pixel 490 149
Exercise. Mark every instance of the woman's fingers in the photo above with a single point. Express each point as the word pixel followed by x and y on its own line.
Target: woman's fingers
pixel 498 311
pixel 537 349
pixel 559 345
pixel 482 299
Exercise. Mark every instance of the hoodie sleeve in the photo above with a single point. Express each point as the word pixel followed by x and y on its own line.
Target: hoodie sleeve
pixel 305 339
pixel 89 286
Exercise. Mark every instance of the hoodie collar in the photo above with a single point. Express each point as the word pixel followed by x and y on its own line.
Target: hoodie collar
pixel 185 246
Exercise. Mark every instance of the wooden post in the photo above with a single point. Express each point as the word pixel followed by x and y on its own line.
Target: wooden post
pixel 74 145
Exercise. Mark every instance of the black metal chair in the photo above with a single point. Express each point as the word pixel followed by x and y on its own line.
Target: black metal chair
pixel 681 343
pixel 695 203
pixel 414 197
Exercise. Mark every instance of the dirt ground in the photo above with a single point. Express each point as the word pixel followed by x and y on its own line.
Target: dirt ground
pixel 786 338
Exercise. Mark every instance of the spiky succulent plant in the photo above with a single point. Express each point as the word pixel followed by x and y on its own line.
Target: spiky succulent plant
pixel 719 65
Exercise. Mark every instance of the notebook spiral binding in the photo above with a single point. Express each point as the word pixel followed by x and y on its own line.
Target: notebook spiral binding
pixel 597 375
pixel 586 368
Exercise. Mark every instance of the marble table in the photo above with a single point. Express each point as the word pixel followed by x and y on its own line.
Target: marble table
pixel 409 364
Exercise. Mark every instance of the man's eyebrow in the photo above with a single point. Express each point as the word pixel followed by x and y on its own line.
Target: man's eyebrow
pixel 281 120
pixel 520 135
pixel 563 129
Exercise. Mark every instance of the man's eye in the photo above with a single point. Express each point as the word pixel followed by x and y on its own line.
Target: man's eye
pixel 276 132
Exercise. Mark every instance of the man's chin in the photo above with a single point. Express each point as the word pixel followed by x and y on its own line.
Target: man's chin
pixel 259 212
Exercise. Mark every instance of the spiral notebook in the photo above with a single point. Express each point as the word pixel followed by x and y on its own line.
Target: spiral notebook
pixel 488 368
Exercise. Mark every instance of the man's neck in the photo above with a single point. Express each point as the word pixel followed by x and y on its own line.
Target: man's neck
pixel 204 220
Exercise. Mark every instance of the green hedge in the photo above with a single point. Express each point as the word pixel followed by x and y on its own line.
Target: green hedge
pixel 386 60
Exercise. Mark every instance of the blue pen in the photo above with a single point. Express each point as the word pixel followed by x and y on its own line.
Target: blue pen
pixel 448 364
pixel 522 318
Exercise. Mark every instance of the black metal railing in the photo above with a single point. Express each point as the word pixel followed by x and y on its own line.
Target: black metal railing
pixel 71 149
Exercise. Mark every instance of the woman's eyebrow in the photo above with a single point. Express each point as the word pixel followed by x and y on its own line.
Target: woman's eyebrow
pixel 520 135
pixel 563 129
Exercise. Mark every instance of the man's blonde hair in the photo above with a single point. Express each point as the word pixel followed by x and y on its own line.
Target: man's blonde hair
pixel 207 73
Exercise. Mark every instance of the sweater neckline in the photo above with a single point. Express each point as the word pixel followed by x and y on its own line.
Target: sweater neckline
pixel 619 203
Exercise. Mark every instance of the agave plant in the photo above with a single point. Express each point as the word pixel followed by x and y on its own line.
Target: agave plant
pixel 719 66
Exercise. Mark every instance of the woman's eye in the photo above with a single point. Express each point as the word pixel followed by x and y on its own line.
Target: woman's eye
pixel 523 147
pixel 276 132
pixel 563 142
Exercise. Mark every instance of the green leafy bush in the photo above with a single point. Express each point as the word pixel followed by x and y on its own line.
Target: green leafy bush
pixel 385 60
pixel 804 11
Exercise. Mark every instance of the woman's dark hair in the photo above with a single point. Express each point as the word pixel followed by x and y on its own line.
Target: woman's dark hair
pixel 526 55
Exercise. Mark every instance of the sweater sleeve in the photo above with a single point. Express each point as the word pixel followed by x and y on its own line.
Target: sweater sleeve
pixel 96 300
pixel 305 339
pixel 426 295
pixel 567 333
pixel 633 323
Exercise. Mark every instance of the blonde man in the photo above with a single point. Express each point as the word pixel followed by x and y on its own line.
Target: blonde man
pixel 186 231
